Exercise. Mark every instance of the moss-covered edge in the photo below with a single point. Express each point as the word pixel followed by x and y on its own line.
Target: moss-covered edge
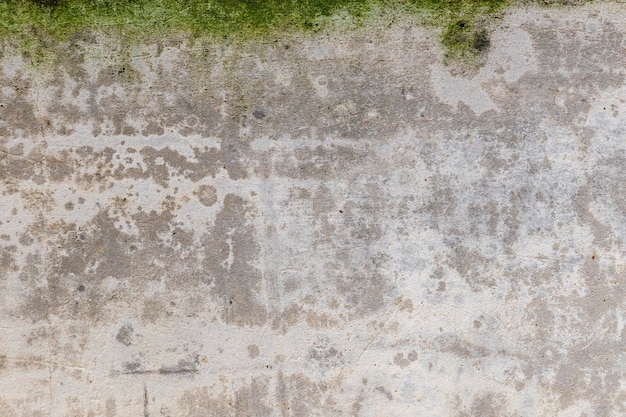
pixel 32 24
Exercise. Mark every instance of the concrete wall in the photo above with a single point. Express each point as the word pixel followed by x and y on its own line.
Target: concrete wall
pixel 334 225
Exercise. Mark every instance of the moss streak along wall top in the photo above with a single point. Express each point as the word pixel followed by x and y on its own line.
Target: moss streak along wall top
pixel 463 21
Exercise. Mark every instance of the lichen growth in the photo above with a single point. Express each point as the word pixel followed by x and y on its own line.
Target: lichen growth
pixel 463 24
pixel 465 40
pixel 240 18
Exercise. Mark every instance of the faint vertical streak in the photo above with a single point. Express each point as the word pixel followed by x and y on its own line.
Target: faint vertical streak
pixel 282 394
pixel 45 262
pixel 146 412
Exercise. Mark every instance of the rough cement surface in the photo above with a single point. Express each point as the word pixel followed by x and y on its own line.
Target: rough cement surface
pixel 328 226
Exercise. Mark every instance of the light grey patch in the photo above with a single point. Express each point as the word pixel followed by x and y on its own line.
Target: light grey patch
pixel 125 335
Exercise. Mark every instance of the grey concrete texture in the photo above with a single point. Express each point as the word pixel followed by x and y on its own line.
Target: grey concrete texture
pixel 326 225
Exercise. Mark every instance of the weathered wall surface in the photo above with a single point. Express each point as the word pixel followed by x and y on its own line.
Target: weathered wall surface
pixel 327 226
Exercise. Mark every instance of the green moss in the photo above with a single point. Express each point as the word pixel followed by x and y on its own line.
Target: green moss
pixel 59 20
pixel 465 39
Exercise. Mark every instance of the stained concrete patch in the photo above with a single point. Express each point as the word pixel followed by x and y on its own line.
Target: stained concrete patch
pixel 341 227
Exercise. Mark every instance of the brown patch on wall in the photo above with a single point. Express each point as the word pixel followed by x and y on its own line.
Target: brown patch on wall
pixel 487 405
pixel 164 163
pixel 230 252
pixel 451 343
pixel 252 399
pixel 299 396
pixel 207 195
pixel 85 255
pixel 253 351
pixel 472 266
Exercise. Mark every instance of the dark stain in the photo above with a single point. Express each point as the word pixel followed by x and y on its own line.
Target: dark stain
pixel 146 411
pixel 259 114
pixel 125 335
pixel 386 393
pixel 132 367
pixel 480 41
pixel 183 367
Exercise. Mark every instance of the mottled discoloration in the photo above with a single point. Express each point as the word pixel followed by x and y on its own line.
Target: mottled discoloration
pixel 334 224
pixel 249 400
